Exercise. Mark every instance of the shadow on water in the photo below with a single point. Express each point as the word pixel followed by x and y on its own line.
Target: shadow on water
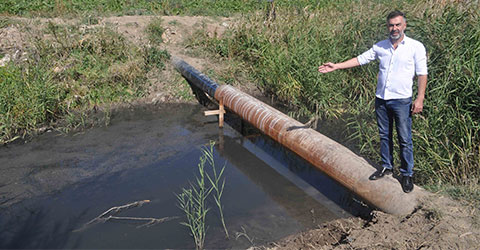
pixel 29 228
pixel 302 173
pixel 56 183
pixel 280 189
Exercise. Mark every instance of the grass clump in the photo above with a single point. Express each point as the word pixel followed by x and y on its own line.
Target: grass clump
pixel 193 200
pixel 155 31
pixel 283 56
pixel 68 74
pixel 156 58
pixel 26 100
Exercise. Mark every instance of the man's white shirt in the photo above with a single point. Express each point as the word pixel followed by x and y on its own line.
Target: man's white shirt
pixel 397 66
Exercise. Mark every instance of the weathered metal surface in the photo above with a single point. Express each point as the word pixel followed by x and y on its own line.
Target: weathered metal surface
pixel 327 155
pixel 194 76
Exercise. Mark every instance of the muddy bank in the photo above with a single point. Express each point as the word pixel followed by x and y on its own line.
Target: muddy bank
pixel 437 223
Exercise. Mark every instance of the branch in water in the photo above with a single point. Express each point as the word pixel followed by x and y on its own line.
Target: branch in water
pixel 108 215
pixel 150 221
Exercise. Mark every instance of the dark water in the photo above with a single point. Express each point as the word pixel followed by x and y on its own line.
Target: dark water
pixel 55 184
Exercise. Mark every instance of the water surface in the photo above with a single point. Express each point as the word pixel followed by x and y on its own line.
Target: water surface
pixel 56 183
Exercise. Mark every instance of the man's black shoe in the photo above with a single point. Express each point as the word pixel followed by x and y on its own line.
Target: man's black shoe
pixel 380 173
pixel 407 184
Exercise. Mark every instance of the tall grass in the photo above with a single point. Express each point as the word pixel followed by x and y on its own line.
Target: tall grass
pixel 155 31
pixel 193 200
pixel 216 182
pixel 283 57
pixel 73 71
pixel 52 8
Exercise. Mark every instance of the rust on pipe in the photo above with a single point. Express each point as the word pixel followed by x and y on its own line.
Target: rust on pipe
pixel 330 157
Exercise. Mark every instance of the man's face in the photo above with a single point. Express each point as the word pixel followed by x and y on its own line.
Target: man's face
pixel 396 27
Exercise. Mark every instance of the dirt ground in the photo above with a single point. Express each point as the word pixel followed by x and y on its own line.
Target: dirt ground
pixel 438 222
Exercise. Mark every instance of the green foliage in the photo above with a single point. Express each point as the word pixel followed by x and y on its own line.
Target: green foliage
pixel 208 7
pixel 64 77
pixel 27 99
pixel 283 56
pixel 98 65
pixel 155 31
pixel 5 22
pixel 215 182
pixel 51 8
pixel 193 201
pixel 155 57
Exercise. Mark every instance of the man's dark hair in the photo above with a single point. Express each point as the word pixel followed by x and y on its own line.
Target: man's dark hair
pixel 394 14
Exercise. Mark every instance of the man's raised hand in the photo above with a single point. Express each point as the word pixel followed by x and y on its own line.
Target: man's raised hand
pixel 327 67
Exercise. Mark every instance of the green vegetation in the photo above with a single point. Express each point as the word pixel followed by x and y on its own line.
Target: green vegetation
pixel 215 182
pixel 50 8
pixel 282 56
pixel 193 201
pixel 74 71
pixel 55 8
pixel 155 31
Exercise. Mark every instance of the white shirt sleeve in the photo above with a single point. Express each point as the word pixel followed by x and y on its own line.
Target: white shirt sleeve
pixel 420 60
pixel 366 56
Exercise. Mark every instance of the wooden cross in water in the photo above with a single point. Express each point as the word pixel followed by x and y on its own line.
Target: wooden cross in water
pixel 220 112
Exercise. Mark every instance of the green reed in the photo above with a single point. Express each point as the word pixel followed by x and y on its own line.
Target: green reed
pixel 193 200
pixel 282 57
pixel 216 183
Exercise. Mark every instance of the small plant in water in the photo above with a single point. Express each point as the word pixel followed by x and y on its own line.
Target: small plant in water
pixel 193 200
pixel 215 182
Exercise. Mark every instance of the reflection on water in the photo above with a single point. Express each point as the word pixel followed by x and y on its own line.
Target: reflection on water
pixel 55 184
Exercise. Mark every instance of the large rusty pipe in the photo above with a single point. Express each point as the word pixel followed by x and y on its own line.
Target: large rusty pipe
pixel 330 157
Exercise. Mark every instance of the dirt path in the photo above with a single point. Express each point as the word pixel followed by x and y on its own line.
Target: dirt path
pixel 438 223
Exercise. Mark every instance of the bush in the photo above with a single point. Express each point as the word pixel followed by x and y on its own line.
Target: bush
pixel 73 71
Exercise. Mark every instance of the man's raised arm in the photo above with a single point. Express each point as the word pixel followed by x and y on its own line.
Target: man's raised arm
pixel 329 67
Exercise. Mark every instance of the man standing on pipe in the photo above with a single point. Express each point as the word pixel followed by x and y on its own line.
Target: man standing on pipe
pixel 400 59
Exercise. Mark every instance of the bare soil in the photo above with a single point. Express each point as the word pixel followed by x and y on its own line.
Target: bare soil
pixel 437 223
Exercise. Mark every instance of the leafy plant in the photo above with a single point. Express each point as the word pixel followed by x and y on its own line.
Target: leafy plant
pixel 193 200
pixel 155 57
pixel 155 31
pixel 215 181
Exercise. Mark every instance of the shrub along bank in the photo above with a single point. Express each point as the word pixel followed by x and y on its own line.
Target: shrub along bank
pixel 282 56
pixel 72 72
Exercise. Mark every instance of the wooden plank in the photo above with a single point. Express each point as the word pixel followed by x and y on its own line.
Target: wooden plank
pixel 212 112
pixel 220 116
pixel 220 112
